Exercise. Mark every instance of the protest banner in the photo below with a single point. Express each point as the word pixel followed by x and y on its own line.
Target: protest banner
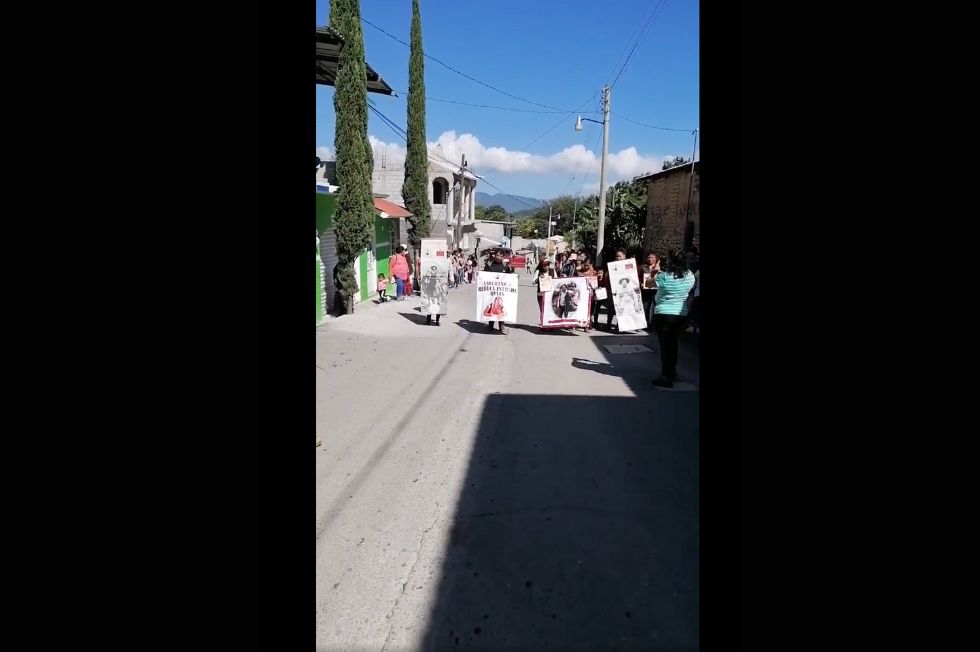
pixel 625 284
pixel 566 304
pixel 434 277
pixel 496 297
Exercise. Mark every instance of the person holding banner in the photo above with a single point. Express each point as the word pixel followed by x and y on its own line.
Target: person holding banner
pixel 649 289
pixel 599 294
pixel 498 266
pixel 542 279
pixel 593 282
pixel 670 313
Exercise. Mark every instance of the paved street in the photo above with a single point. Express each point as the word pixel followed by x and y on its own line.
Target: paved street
pixel 528 491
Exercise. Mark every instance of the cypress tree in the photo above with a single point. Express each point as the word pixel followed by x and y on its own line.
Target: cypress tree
pixel 415 189
pixel 355 202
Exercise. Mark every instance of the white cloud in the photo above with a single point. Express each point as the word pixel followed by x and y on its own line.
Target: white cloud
pixel 325 153
pixel 624 164
pixel 394 153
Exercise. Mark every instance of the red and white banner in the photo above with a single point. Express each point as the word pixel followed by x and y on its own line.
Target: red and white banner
pixel 496 297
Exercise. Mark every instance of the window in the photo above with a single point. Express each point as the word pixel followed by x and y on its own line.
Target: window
pixel 440 188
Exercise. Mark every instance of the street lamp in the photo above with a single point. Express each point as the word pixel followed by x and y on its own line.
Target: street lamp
pixel 600 236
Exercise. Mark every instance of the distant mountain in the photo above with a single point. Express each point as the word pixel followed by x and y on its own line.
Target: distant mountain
pixel 511 204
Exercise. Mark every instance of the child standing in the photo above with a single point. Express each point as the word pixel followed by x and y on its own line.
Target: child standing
pixel 382 287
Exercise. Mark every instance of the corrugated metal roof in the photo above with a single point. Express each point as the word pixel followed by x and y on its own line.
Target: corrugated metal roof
pixel 328 44
pixel 686 168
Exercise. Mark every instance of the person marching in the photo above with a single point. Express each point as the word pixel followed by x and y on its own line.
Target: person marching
pixel 649 289
pixel 674 286
pixel 542 270
pixel 398 264
pixel 568 267
pixel 592 282
pixel 499 266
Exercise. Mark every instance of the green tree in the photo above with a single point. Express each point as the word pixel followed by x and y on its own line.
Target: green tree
pixel 415 189
pixel 625 221
pixel 678 161
pixel 355 201
pixel 497 213
pixel 525 228
pixel 563 206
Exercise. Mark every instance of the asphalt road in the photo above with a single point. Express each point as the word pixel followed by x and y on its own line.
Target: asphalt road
pixel 528 491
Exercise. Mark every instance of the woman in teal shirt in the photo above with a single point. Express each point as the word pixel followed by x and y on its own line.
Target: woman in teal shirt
pixel 674 285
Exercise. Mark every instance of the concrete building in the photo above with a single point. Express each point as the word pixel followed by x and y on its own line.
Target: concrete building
pixel 452 195
pixel 673 215
pixel 494 233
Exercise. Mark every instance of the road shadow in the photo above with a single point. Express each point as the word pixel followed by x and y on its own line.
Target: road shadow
pixel 537 330
pixel 599 367
pixel 638 369
pixel 581 534
pixel 416 317
pixel 480 327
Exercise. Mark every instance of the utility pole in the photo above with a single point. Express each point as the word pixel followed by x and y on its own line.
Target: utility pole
pixel 461 196
pixel 689 223
pixel 547 243
pixel 600 237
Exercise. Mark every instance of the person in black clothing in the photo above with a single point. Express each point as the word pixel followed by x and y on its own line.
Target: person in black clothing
pixel 568 267
pixel 498 265
pixel 543 269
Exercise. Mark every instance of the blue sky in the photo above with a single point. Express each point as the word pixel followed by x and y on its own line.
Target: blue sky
pixel 553 52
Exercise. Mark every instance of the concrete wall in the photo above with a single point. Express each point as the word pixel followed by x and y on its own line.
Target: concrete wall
pixel 387 179
pixel 667 210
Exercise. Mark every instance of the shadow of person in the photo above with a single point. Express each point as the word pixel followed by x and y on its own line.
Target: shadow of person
pixel 599 367
pixel 416 317
pixel 537 330
pixel 478 326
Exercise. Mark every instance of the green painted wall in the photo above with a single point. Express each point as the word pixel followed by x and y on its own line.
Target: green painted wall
pixel 325 207
pixel 319 298
pixel 365 285
pixel 382 233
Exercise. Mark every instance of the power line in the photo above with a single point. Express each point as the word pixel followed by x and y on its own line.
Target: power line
pixel 550 129
pixel 462 74
pixel 589 171
pixel 595 144
pixel 403 134
pixel 643 124
pixel 637 29
pixel 643 35
pixel 507 194
pixel 482 106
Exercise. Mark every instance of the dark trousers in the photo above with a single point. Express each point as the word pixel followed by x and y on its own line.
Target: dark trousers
pixel 649 297
pixel 610 310
pixel 669 328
